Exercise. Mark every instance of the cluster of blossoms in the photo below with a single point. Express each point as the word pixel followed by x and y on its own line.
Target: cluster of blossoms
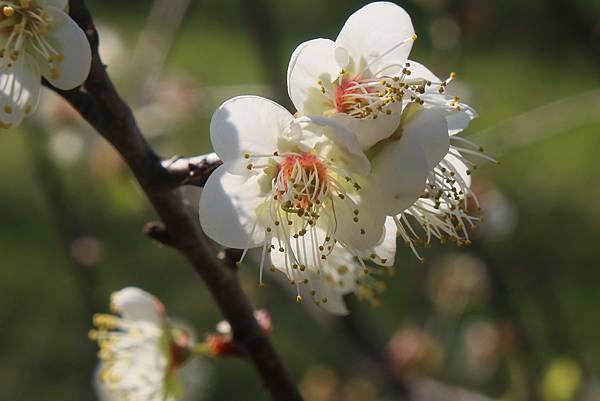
pixel 370 155
pixel 144 354
pixel 37 39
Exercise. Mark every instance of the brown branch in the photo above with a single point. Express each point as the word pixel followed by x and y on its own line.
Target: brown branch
pixel 99 103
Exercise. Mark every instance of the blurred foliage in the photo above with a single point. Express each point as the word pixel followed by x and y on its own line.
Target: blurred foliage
pixel 540 272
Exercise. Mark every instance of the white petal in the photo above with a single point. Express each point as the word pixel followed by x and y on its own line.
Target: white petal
pixel 459 120
pixel 419 71
pixel 428 129
pixel 399 173
pixel 20 87
pixel 228 209
pixel 352 154
pixel 373 36
pixel 72 42
pixel 136 304
pixel 365 233
pixel 334 298
pixel 311 61
pixel 386 249
pixel 247 124
pixel 370 131
pixel 342 57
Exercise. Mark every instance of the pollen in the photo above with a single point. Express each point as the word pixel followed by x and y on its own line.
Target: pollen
pixel 8 11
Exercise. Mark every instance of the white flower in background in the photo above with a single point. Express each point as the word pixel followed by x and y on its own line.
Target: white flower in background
pixel 141 352
pixel 291 186
pixel 343 273
pixel 37 39
pixel 364 78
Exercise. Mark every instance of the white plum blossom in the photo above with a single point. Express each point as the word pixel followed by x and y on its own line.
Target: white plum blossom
pixel 292 186
pixel 141 352
pixel 37 39
pixel 364 78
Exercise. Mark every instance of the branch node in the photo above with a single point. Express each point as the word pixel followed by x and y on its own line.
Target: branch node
pixel 159 233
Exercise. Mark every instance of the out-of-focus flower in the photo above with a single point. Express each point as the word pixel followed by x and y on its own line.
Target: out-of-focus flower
pixel 413 350
pixel 561 381
pixel 288 185
pixel 141 351
pixel 456 280
pixel 39 39
pixel 358 389
pixel 86 250
pixel 222 343
pixel 482 344
pixel 500 214
pixel 319 384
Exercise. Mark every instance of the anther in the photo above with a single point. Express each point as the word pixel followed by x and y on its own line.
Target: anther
pixel 8 11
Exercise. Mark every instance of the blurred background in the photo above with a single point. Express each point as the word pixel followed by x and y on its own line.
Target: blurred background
pixel 512 317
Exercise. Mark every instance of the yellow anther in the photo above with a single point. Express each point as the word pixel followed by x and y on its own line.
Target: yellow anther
pixel 414 36
pixel 25 3
pixel 8 11
pixel 299 298
pixel 28 108
pixel 8 109
pixel 453 75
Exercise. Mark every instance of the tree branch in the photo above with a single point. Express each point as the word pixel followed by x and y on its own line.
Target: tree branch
pixel 100 104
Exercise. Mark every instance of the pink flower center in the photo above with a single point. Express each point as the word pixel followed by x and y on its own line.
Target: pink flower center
pixel 301 182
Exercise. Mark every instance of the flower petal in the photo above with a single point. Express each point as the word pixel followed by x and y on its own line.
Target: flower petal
pixel 386 249
pixel 370 131
pixel 352 154
pixel 312 61
pixel 228 209
pixel 368 230
pixel 419 71
pixel 72 42
pixel 136 304
pixel 247 124
pixel 374 36
pixel 20 87
pixel 428 129
pixel 327 295
pixel 459 120
pixel 399 173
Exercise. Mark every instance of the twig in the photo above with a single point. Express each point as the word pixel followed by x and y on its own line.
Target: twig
pixel 191 171
pixel 99 103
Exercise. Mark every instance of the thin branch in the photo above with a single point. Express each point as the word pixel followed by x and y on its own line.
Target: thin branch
pixel 191 171
pixel 100 104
